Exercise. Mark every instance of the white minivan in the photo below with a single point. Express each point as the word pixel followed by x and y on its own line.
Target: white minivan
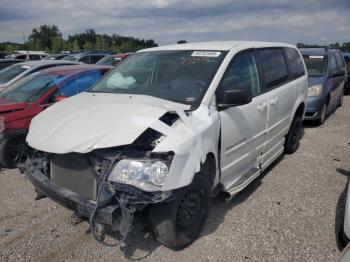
pixel 166 130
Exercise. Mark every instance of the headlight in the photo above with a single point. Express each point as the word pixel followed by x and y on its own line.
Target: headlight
pixel 315 90
pixel 140 173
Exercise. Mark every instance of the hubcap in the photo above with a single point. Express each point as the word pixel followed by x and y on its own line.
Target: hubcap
pixel 189 210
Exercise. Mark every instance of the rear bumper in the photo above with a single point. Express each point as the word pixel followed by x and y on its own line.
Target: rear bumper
pixel 71 200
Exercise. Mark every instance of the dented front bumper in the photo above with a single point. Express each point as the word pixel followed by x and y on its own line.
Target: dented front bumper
pixel 71 200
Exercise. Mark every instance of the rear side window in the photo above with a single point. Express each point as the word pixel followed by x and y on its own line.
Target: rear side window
pixel 242 73
pixel 295 63
pixel 85 59
pixel 94 59
pixel 339 60
pixel 34 57
pixel 332 62
pixel 274 67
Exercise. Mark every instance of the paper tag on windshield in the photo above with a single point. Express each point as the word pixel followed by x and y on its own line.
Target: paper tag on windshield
pixel 206 54
pixel 316 56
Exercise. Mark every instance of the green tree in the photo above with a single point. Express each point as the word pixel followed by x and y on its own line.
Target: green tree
pixel 57 44
pixel 76 46
pixel 88 46
pixel 43 36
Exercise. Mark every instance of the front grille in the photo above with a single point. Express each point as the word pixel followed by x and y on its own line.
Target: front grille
pixel 72 171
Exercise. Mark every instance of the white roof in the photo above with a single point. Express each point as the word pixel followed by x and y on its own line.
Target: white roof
pixel 217 45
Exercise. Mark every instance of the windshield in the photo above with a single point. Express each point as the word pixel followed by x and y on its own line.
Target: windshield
pixel 178 76
pixel 11 72
pixel 109 61
pixel 316 65
pixel 30 88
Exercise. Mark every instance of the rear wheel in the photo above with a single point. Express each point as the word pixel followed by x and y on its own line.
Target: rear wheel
pixel 341 98
pixel 293 138
pixel 13 151
pixel 178 223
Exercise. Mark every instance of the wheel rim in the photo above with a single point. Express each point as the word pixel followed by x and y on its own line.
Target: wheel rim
pixel 189 210
pixel 17 150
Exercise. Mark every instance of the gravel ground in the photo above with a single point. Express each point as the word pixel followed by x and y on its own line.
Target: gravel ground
pixel 287 214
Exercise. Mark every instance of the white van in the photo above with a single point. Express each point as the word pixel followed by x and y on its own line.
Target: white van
pixel 166 130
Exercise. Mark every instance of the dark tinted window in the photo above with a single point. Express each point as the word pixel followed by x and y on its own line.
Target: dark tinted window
pixel 95 58
pixel 85 59
pixel 274 67
pixel 34 57
pixel 242 73
pixel 339 60
pixel 295 63
pixel 21 57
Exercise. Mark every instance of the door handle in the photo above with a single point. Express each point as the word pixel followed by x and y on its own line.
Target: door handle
pixel 262 106
pixel 274 101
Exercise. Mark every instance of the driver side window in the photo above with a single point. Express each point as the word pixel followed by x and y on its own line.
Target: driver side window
pixel 242 73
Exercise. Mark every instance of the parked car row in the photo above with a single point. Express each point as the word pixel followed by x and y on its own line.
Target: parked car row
pixel 165 130
pixel 87 57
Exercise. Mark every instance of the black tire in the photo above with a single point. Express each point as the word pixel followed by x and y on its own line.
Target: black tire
pixel 13 150
pixel 323 115
pixel 174 224
pixel 342 239
pixel 293 137
pixel 341 98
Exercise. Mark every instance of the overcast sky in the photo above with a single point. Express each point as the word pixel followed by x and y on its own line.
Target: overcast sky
pixel 165 21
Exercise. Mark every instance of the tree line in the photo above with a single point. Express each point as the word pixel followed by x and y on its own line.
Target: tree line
pixel 49 38
pixel 345 47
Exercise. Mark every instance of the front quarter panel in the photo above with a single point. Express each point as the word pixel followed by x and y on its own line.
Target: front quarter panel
pixel 192 138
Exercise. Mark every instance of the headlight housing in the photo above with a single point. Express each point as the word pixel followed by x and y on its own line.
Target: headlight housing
pixel 147 174
pixel 315 90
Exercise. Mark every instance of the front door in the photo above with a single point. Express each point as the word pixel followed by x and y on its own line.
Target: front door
pixel 243 128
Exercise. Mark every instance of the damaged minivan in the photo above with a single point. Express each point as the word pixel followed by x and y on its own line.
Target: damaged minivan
pixel 165 131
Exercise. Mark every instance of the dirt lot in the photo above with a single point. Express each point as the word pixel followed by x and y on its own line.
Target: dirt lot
pixel 288 214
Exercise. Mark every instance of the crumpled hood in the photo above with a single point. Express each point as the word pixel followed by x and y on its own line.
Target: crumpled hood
pixel 94 120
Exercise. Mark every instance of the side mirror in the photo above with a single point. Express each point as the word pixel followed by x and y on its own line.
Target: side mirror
pixel 233 97
pixel 337 72
pixel 59 98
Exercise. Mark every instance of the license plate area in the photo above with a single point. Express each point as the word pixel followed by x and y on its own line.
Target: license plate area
pixel 72 171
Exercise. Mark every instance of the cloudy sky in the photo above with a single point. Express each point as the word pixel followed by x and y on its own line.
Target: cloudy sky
pixel 166 21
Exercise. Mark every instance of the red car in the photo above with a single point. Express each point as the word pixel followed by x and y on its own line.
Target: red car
pixel 26 98
pixel 113 60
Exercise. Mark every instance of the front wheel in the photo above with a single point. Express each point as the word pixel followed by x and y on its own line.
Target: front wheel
pixel 178 223
pixel 13 151
pixel 323 115
pixel 293 138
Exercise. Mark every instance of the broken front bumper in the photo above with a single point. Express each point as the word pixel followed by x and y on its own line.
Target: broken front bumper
pixel 71 200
